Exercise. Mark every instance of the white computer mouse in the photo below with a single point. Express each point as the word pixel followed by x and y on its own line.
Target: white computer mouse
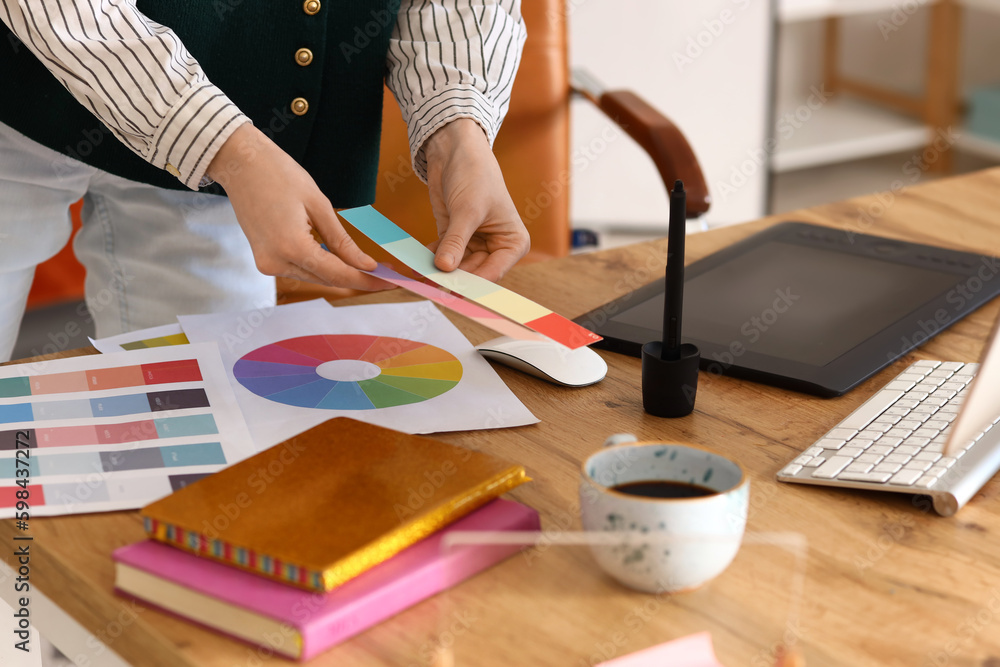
pixel 547 360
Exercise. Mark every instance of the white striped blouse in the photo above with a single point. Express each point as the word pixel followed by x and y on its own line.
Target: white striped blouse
pixel 447 60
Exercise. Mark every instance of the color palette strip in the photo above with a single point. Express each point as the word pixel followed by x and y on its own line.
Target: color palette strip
pixel 51 499
pixel 185 370
pixel 109 406
pixel 143 458
pixel 110 434
pixel 159 341
pixel 411 252
pixel 461 306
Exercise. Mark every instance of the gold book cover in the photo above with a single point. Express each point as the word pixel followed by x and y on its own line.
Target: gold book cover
pixel 330 503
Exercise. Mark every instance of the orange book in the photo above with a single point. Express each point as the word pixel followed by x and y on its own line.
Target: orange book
pixel 321 508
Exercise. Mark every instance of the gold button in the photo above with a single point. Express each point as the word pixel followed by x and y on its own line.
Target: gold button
pixel 311 7
pixel 303 57
pixel 300 106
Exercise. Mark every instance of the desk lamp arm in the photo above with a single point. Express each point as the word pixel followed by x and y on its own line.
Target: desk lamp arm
pixel 655 133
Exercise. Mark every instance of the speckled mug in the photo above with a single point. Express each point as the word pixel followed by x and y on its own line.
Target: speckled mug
pixel 691 540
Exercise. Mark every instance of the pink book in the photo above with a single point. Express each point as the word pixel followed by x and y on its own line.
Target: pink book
pixel 260 610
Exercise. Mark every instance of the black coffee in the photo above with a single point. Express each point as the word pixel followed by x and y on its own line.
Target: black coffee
pixel 664 489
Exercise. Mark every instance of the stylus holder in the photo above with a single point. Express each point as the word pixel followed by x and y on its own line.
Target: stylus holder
pixel 669 385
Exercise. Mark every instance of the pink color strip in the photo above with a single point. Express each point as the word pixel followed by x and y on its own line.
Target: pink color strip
pixel 469 309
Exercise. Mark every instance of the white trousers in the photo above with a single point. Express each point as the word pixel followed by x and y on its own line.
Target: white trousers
pixel 150 254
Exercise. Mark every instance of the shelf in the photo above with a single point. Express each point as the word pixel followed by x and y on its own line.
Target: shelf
pixel 843 129
pixel 978 145
pixel 790 11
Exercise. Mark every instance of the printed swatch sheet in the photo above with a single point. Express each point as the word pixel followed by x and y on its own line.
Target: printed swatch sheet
pixel 114 431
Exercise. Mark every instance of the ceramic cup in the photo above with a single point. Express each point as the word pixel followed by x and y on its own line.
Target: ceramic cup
pixel 669 544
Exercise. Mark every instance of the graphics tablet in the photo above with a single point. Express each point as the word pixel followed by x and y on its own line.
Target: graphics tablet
pixel 809 308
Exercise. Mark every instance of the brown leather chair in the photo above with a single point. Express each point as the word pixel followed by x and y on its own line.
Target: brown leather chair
pixel 533 149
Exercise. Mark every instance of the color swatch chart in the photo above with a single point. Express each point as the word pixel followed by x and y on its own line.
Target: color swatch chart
pixel 413 254
pixel 348 372
pixel 115 431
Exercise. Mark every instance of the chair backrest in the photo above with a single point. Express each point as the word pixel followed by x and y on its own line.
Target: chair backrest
pixel 532 147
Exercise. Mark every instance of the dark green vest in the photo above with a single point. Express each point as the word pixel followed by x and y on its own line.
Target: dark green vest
pixel 248 49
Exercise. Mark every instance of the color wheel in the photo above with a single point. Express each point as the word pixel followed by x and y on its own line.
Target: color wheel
pixel 376 372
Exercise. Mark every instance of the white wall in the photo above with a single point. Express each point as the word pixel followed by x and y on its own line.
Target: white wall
pixel 706 65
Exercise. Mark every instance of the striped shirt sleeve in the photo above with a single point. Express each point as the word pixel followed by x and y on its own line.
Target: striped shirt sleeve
pixel 453 59
pixel 134 75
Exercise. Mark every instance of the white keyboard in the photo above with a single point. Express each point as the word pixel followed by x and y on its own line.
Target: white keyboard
pixel 895 441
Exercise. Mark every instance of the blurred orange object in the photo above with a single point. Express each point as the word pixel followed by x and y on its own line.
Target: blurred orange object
pixel 59 279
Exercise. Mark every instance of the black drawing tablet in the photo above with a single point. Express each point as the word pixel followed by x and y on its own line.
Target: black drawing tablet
pixel 809 308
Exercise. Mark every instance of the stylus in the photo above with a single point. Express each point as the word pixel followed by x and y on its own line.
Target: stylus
pixel 673 294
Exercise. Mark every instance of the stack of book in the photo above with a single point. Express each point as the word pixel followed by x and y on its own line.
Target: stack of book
pixel 316 539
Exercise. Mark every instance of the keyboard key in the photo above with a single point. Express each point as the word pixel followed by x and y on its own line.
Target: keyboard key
pixel 906 477
pixel 951 365
pixel 859 467
pixel 898 412
pixel 947 409
pixel 842 433
pixel 917 465
pixel 946 394
pixel 813 451
pixel 802 460
pixel 900 385
pixel 907 449
pixel 853 452
pixel 898 432
pixel 926 363
pixel 791 470
pixel 946 461
pixel 881 425
pixel 868 458
pixel 907 376
pixel 832 466
pixel 815 462
pixel 874 477
pixel 917 441
pixel 887 467
pixel 936 401
pixel 863 443
pixel 906 403
pixel 897 458
pixel 908 423
pixel 926 386
pixel 937 471
pixel 831 443
pixel 940 424
pixel 888 441
pixel 926 482
pixel 881 450
pixel 871 409
pixel 927 456
pixel 953 386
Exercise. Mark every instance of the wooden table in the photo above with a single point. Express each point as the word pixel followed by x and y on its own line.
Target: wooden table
pixel 886 582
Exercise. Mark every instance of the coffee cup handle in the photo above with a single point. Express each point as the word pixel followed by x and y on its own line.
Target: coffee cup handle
pixel 620 439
